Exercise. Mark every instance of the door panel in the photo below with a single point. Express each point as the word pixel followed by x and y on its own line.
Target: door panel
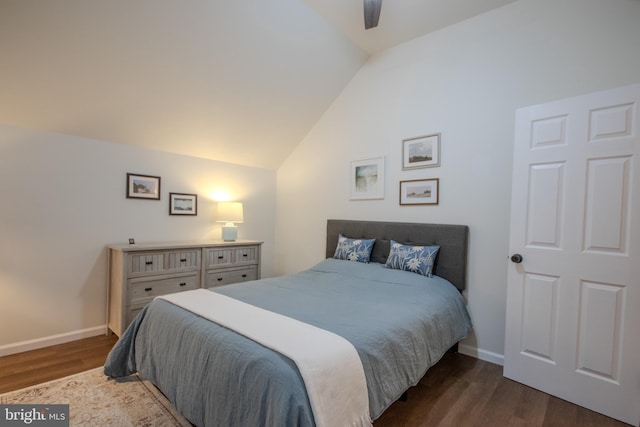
pixel 599 330
pixel 573 304
pixel 607 204
pixel 544 205
pixel 540 325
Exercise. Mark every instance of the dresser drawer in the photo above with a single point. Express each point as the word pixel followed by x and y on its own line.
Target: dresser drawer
pixel 182 260
pixel 246 255
pixel 133 311
pixel 143 290
pixel 219 257
pixel 145 263
pixel 226 277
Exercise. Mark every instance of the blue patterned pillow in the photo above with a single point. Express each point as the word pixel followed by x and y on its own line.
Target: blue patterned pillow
pixel 354 249
pixel 417 259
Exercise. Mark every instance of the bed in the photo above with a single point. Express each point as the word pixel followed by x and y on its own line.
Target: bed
pixel 399 322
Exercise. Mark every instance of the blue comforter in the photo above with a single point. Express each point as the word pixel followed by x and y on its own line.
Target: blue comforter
pixel 400 323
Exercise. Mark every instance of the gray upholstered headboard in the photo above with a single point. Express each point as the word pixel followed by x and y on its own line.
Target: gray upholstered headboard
pixel 453 240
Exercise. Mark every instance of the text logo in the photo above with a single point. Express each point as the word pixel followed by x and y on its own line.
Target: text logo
pixel 34 415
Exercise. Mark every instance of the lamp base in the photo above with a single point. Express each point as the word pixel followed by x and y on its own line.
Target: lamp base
pixel 229 233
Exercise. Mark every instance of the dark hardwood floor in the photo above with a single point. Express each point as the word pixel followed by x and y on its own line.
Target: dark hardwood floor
pixel 37 366
pixel 458 391
pixel 464 391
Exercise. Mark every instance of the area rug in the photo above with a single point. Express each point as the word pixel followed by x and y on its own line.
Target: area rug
pixel 95 400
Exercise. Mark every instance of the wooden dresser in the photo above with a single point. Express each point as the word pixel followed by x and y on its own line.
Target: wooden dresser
pixel 139 273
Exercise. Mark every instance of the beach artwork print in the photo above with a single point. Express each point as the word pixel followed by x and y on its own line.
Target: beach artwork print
pixel 143 186
pixel 367 179
pixel 421 152
pixel 419 192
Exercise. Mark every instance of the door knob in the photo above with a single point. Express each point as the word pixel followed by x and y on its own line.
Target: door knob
pixel 517 258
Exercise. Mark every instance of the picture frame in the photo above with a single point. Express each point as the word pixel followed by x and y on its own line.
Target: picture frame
pixel 143 186
pixel 367 179
pixel 183 204
pixel 420 192
pixel 421 152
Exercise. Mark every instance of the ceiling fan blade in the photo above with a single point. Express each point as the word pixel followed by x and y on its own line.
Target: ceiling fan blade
pixel 371 13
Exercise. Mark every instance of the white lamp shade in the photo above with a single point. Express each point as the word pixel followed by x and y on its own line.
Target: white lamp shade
pixel 230 212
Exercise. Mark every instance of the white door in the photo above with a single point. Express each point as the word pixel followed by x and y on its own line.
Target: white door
pixel 573 302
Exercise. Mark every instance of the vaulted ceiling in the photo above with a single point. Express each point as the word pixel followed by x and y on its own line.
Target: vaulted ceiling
pixel 241 81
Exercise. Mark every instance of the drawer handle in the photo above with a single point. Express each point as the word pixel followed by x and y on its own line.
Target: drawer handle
pixel 183 284
pixel 148 289
pixel 219 279
pixel 245 254
pixel 183 260
pixel 244 275
pixel 220 256
pixel 149 262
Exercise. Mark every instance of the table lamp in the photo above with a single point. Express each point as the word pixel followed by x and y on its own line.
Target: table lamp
pixel 230 213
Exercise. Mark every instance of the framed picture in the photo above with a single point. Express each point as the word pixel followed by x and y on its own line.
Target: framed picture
pixel 367 179
pixel 183 204
pixel 421 152
pixel 143 186
pixel 419 192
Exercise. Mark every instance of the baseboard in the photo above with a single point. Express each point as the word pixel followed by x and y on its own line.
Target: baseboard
pixel 478 353
pixel 19 347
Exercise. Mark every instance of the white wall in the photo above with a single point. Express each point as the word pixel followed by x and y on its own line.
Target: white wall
pixel 466 82
pixel 62 199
